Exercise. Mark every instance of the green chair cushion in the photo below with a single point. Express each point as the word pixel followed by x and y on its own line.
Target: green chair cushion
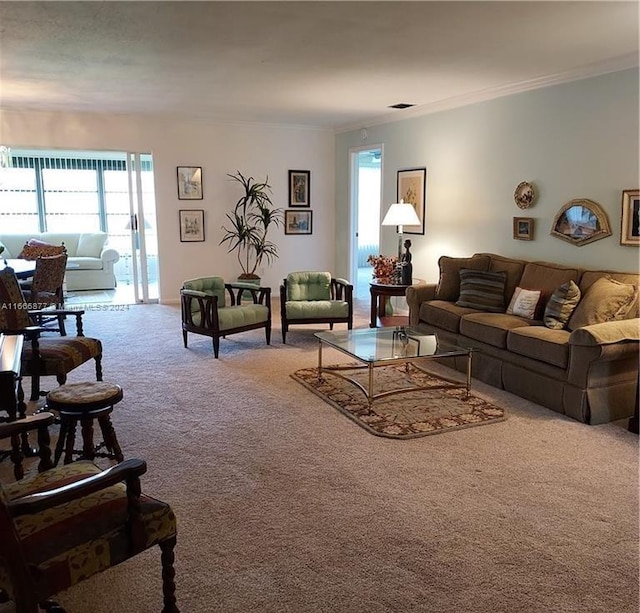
pixel 316 309
pixel 209 286
pixel 309 285
pixel 244 315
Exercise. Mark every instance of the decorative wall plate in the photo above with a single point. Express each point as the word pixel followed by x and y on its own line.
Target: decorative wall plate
pixel 524 195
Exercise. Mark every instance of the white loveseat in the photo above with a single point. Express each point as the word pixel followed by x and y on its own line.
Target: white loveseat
pixel 90 262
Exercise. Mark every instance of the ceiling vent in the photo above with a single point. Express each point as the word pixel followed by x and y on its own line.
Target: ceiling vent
pixel 401 105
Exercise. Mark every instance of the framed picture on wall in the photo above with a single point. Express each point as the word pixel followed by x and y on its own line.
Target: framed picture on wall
pixel 630 226
pixel 192 226
pixel 189 183
pixel 299 188
pixel 297 222
pixel 523 228
pixel 412 184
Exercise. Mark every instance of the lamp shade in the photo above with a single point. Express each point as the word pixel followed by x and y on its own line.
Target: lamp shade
pixel 401 214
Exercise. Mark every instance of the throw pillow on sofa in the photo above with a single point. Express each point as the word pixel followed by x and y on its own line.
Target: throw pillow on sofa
pixel 482 290
pixel 449 280
pixel 605 300
pixel 524 303
pixel 561 305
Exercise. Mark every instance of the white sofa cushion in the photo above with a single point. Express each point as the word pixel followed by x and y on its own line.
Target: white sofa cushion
pixel 90 245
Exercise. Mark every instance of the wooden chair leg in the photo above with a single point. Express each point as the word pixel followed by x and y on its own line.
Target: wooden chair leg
pixel 71 441
pixel 109 437
pixel 184 338
pixel 99 368
pixel 88 450
pixel 216 346
pixel 64 427
pixel 168 575
pixel 267 332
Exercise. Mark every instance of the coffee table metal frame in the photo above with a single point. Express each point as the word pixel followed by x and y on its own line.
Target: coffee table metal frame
pixel 392 346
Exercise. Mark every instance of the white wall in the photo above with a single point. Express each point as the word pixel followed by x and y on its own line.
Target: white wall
pixel 256 150
pixel 576 140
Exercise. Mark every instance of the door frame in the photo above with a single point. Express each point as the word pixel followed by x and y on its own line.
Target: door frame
pixel 353 201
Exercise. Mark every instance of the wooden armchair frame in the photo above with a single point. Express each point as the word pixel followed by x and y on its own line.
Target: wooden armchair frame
pixel 340 290
pixel 200 312
pixel 26 579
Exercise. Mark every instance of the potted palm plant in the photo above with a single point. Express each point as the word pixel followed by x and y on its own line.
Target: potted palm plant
pixel 249 224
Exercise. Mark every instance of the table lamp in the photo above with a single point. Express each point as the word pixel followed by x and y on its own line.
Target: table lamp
pixel 401 214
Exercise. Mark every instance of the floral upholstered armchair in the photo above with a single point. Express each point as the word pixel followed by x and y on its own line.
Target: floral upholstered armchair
pixel 310 297
pixel 62 525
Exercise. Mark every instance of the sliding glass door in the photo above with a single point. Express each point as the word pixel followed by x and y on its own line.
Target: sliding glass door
pixel 89 191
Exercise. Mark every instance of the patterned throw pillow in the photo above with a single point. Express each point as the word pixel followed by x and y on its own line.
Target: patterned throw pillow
pixel 449 281
pixel 524 303
pixel 482 290
pixel 35 249
pixel 560 306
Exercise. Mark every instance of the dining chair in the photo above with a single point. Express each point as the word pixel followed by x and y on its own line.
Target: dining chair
pixel 46 289
pixel 44 356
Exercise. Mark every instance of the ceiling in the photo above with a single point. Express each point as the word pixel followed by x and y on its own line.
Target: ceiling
pixel 335 65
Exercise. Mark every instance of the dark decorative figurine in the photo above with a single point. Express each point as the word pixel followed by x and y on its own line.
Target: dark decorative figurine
pixel 407 266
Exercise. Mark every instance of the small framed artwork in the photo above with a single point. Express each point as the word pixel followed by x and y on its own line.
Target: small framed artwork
pixel 297 222
pixel 523 228
pixel 412 184
pixel 630 228
pixel 192 226
pixel 189 183
pixel 300 188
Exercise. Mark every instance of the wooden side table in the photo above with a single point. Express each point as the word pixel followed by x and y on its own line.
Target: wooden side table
pixel 380 292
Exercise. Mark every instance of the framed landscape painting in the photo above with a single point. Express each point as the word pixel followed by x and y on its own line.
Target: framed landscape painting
pixel 189 183
pixel 411 188
pixel 297 222
pixel 192 226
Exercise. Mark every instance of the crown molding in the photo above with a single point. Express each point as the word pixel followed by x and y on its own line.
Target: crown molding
pixel 624 62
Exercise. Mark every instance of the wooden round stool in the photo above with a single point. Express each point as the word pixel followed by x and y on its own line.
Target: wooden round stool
pixel 85 402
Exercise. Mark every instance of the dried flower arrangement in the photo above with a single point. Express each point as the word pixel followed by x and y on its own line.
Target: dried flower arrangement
pixel 384 267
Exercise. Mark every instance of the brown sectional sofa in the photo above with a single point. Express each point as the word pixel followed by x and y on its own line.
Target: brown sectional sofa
pixel 589 373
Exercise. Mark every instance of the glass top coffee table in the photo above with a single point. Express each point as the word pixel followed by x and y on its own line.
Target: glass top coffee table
pixel 382 346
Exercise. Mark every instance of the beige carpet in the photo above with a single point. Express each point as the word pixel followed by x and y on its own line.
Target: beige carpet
pixel 284 506
pixel 441 408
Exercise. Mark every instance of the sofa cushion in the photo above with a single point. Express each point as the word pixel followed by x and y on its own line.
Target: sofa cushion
pixel 482 290
pixel 605 300
pixel 449 280
pixel 512 267
pixel 524 303
pixel 546 277
pixel 540 343
pixel 560 306
pixel 443 314
pixel 589 277
pixel 84 264
pixel 491 328
pixel 90 245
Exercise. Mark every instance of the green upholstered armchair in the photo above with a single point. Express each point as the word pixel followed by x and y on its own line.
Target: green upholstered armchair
pixel 214 308
pixel 309 297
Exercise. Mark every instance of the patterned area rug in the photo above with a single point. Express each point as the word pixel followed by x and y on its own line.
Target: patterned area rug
pixel 406 415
